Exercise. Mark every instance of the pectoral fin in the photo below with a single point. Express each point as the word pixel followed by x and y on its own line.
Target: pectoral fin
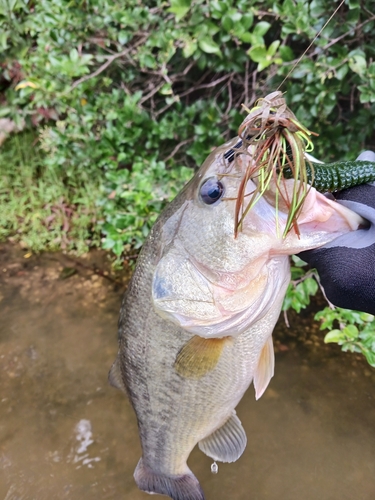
pixel 265 369
pixel 227 443
pixel 115 377
pixel 199 356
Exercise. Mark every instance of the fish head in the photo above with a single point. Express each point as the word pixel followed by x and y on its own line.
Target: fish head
pixel 213 281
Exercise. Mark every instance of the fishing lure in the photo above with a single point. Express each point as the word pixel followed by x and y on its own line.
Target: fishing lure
pixel 275 139
pixel 338 175
pixel 276 142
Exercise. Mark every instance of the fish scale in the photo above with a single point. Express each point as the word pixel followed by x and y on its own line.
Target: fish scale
pixel 197 318
pixel 168 380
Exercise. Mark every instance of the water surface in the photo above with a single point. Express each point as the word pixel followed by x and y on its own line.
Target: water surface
pixel 66 434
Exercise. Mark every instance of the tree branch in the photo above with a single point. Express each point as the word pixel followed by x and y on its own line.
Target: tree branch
pixel 179 145
pixel 106 64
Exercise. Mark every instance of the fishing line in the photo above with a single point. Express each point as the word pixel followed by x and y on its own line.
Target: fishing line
pixel 311 44
pixel 277 138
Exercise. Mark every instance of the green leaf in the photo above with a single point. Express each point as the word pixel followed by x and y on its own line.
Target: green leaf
pixel 218 6
pixel 247 20
pixel 354 4
pixel 246 37
pixel 123 37
pixel 286 53
pixel 190 48
pixel 366 95
pixel 311 286
pixel 370 357
pixel 4 35
pixel 261 28
pixel 257 54
pixel 357 64
pixel 209 46
pixel 227 22
pixel 147 60
pixel 368 318
pixel 11 4
pixel 271 51
pixel 166 89
pixel 371 69
pixel 333 336
pixel 118 248
pixel 298 262
pixel 180 8
pixel 342 72
pixel 74 56
pixel 234 15
pixel 351 331
pixel 5 111
pixel 264 64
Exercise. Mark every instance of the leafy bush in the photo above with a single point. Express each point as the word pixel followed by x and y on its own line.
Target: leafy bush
pixel 125 96
pixel 302 286
pixel 356 332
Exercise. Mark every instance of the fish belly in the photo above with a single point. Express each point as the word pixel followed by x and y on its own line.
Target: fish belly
pixel 176 412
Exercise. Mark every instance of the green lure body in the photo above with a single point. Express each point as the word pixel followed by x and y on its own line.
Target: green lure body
pixel 336 176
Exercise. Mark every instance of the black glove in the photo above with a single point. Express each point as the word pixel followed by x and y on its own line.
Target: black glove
pixel 346 266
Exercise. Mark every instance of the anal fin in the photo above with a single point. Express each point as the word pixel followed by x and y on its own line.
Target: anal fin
pixel 199 356
pixel 265 369
pixel 227 443
pixel 115 376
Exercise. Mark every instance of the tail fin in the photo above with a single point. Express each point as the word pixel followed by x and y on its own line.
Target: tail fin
pixel 184 487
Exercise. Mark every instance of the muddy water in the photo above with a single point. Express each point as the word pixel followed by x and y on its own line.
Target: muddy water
pixel 65 434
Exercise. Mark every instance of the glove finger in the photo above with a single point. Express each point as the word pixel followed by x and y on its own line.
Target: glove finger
pixel 366 156
pixel 347 275
pixel 364 195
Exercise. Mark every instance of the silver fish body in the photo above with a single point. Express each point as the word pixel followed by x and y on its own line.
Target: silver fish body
pixel 196 321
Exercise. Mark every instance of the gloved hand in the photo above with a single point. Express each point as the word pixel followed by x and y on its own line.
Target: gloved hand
pixel 346 266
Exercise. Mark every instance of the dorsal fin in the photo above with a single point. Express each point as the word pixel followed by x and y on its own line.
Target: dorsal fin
pixel 265 369
pixel 199 356
pixel 227 443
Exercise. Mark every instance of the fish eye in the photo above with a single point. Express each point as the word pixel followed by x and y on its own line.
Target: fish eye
pixel 211 190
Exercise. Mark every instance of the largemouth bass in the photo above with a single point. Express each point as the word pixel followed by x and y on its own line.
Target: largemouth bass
pixel 196 321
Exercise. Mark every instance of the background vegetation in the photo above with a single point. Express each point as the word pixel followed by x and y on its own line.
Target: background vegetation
pixel 119 101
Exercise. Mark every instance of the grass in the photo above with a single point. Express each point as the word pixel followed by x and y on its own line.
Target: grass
pixel 39 207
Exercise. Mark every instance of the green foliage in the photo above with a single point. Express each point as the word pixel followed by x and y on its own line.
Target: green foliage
pixel 159 84
pixel 356 332
pixel 39 208
pixel 301 288
pixel 131 200
pixel 126 96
